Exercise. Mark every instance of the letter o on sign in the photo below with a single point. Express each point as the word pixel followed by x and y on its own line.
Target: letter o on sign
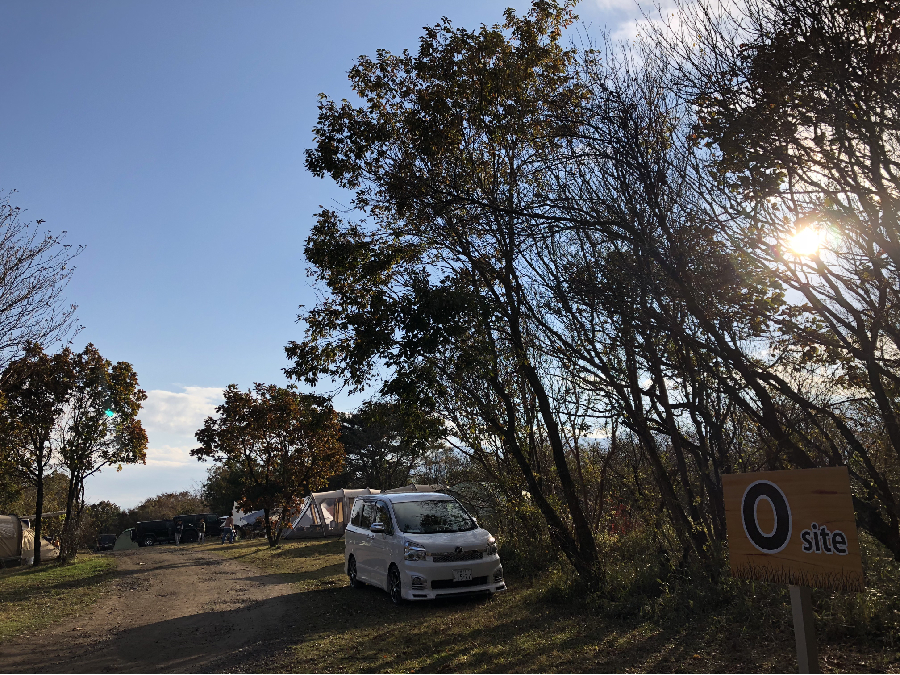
pixel 778 538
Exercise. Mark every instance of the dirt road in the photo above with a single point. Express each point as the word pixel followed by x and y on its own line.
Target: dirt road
pixel 170 609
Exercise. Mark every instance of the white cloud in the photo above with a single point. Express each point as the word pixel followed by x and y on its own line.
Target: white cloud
pixel 167 455
pixel 658 15
pixel 172 418
pixel 621 5
pixel 179 413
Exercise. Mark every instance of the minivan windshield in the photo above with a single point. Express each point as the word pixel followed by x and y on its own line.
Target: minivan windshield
pixel 433 516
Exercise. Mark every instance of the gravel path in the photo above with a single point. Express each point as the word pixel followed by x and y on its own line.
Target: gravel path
pixel 169 609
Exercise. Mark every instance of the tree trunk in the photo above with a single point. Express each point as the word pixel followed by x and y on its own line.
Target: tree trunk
pixel 268 521
pixel 38 510
pixel 68 545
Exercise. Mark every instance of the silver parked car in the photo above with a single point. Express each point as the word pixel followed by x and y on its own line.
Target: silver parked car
pixel 420 546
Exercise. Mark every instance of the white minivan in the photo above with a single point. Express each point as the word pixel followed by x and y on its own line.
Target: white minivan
pixel 419 546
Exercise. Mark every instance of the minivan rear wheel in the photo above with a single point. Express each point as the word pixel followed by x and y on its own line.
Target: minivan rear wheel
pixel 394 585
pixel 149 541
pixel 351 572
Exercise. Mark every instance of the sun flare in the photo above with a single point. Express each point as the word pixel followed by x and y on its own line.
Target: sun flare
pixel 805 242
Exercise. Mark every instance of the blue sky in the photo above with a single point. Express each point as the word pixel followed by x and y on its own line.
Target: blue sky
pixel 168 138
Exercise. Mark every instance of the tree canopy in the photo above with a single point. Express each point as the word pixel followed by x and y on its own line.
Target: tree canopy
pixel 75 412
pixel 280 444
pixel 385 443
pixel 590 261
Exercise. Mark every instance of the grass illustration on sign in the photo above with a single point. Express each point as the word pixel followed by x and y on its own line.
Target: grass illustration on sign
pixel 834 580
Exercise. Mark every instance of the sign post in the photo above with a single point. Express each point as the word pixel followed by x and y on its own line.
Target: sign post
pixel 804 629
pixel 795 528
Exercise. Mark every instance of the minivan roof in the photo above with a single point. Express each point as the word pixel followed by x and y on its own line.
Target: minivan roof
pixel 414 497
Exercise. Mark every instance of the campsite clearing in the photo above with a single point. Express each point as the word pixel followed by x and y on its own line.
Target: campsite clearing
pixel 248 608
pixel 528 629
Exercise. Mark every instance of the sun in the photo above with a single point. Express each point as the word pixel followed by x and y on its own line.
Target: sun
pixel 805 242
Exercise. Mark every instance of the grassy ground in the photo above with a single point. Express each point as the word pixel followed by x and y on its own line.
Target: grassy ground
pixel 528 629
pixel 32 598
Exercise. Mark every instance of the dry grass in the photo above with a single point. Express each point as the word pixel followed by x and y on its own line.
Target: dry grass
pixel 33 598
pixel 528 629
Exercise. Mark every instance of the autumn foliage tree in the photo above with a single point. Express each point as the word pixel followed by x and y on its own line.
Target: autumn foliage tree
pixel 440 156
pixel 75 412
pixel 98 428
pixel 281 443
pixel 547 241
pixel 35 388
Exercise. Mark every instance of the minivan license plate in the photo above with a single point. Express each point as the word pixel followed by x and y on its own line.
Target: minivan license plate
pixel 462 575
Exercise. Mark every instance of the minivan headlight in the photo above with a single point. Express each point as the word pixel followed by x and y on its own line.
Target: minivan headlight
pixel 413 551
pixel 491 546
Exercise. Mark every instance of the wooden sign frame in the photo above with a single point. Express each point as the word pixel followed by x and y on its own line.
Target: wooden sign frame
pixel 793 527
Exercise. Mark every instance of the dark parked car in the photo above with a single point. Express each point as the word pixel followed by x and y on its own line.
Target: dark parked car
pixel 105 542
pixel 213 524
pixel 192 525
pixel 149 532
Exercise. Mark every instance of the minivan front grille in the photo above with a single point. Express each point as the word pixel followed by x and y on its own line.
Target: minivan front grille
pixel 457 557
pixel 449 583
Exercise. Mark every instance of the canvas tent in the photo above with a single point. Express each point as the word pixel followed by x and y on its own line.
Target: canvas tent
pixel 49 550
pixel 17 543
pixel 124 541
pixel 324 514
pixel 10 540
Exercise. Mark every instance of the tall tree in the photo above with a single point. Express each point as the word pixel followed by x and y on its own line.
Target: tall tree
pixel 222 488
pixel 35 387
pixel 800 117
pixel 283 445
pixel 439 155
pixel 385 442
pixel 98 428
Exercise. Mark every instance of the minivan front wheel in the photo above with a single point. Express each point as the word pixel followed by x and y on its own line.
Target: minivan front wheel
pixel 149 541
pixel 394 585
pixel 351 572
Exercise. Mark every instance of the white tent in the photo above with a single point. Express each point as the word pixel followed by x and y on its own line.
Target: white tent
pixel 49 550
pixel 250 518
pixel 324 514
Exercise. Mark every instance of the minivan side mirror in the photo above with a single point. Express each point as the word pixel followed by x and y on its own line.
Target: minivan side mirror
pixel 377 527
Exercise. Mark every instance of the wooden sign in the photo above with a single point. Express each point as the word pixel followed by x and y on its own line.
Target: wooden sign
pixel 793 527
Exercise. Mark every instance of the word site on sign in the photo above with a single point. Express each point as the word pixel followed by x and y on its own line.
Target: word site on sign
pixel 793 527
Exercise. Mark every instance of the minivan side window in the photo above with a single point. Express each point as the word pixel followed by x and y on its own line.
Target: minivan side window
pixel 368 515
pixel 382 515
pixel 356 513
